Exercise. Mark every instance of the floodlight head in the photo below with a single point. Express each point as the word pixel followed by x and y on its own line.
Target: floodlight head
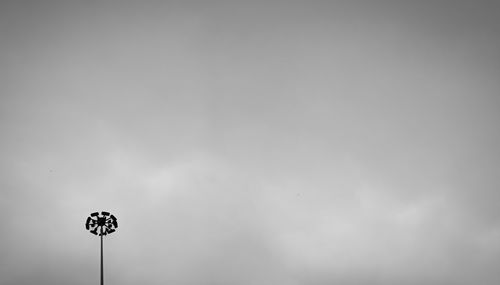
pixel 101 225
pixel 87 223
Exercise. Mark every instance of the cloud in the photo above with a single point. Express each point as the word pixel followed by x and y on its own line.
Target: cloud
pixel 250 142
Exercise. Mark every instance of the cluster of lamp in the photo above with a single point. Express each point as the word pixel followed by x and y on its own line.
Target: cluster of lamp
pixel 101 225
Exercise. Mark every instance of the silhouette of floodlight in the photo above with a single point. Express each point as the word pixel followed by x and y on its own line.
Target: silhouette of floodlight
pixel 101 225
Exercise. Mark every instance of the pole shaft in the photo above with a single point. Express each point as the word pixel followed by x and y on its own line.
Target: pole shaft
pixel 102 273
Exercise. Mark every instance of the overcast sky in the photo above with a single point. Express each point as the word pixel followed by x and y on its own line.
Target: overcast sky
pixel 251 142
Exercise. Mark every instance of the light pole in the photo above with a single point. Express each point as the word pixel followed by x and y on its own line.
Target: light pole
pixel 104 224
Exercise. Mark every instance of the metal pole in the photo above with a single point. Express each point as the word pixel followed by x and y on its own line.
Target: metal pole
pixel 102 274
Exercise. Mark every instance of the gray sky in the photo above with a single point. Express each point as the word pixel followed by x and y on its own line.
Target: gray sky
pixel 251 142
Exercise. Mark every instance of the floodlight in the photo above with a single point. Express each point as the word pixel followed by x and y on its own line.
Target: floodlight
pixel 101 226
